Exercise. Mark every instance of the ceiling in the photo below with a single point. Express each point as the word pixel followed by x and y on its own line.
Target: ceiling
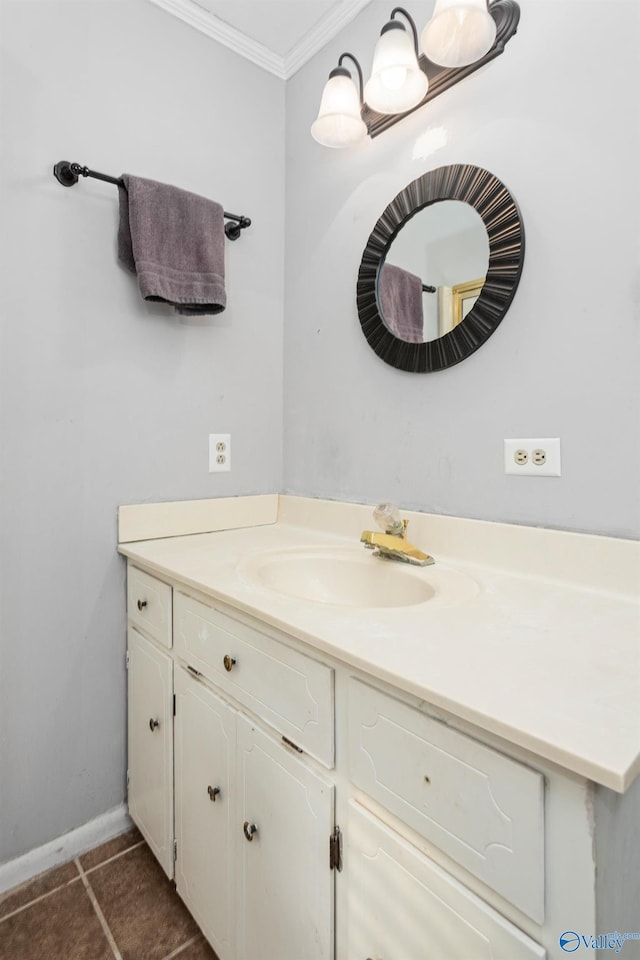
pixel 278 35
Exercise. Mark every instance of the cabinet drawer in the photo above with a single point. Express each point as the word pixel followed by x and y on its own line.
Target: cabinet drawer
pixel 481 808
pixel 402 906
pixel 149 605
pixel 289 690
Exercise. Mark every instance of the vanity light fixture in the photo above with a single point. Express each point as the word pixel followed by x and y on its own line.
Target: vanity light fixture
pixel 459 33
pixel 461 37
pixel 339 122
pixel 397 82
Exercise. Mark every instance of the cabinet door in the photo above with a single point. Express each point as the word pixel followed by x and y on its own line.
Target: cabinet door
pixel 402 906
pixel 286 888
pixel 205 732
pixel 150 741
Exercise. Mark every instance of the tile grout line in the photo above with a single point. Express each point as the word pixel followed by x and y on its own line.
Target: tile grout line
pixel 116 856
pixel 43 896
pixel 182 948
pixel 100 915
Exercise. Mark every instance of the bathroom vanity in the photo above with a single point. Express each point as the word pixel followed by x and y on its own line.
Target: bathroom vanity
pixel 332 767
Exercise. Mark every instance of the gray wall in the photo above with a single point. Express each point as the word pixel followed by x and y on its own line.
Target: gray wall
pixel 556 119
pixel 106 400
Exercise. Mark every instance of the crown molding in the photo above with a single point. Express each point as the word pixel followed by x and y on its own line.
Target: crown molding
pixel 325 30
pixel 283 67
pixel 225 34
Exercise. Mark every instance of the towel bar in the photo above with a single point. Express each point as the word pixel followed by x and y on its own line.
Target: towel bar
pixel 67 174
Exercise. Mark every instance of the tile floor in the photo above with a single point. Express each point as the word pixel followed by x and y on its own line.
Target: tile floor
pixel 113 903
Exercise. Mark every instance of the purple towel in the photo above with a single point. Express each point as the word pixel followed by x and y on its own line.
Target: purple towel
pixel 174 241
pixel 400 294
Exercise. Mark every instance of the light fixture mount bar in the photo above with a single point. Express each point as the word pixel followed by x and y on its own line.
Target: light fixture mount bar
pixel 506 14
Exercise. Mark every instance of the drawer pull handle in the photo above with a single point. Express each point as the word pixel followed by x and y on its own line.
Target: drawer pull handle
pixel 427 779
pixel 249 830
pixel 141 605
pixel 153 724
pixel 229 662
pixel 213 793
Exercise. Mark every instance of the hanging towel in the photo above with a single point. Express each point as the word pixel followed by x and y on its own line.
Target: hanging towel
pixel 174 241
pixel 400 294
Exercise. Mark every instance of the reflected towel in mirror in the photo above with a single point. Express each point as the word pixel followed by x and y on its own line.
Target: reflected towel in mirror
pixel 400 294
pixel 173 240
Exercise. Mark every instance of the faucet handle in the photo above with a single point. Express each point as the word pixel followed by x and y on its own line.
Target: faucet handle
pixel 388 518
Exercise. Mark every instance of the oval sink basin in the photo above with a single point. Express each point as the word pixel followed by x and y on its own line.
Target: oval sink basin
pixel 350 577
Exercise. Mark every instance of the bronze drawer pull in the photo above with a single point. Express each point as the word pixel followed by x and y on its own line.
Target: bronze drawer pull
pixel 153 724
pixel 229 662
pixel 213 793
pixel 249 830
pixel 141 605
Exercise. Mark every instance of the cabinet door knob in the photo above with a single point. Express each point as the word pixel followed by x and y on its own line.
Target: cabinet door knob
pixel 153 724
pixel 229 662
pixel 213 793
pixel 141 605
pixel 249 830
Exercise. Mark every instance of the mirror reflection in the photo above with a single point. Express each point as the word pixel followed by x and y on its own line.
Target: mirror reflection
pixel 434 271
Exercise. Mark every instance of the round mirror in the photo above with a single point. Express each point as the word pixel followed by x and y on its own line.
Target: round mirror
pixel 440 268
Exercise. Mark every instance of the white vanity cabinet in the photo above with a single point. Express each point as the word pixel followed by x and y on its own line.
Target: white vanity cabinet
pixel 457 844
pixel 251 732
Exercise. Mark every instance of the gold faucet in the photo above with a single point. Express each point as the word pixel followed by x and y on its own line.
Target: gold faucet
pixel 393 543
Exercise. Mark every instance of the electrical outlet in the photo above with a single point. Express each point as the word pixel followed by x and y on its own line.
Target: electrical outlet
pixel 219 452
pixel 532 458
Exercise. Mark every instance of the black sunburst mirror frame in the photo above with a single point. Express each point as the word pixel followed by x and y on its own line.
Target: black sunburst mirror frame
pixel 503 223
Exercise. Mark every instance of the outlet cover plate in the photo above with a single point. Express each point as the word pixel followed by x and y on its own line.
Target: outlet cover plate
pixel 219 452
pixel 530 466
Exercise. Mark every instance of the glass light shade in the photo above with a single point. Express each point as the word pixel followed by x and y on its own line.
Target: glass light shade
pixel 339 123
pixel 459 32
pixel 397 83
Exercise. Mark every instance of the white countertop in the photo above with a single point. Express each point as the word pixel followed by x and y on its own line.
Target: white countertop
pixel 549 665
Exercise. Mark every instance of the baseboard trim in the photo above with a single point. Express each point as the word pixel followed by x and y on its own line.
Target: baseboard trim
pixel 64 848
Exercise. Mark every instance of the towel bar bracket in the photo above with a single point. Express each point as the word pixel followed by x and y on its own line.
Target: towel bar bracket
pixel 67 174
pixel 64 174
pixel 237 224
